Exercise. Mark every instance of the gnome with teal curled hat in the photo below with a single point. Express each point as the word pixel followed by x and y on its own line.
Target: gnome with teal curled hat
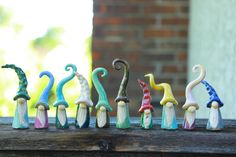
pixel 61 104
pixel 84 103
pixel 21 120
pixel 41 119
pixel 215 121
pixel 103 106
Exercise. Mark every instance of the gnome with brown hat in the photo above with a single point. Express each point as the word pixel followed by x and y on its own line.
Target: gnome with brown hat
pixel 215 121
pixel 168 101
pixel 84 103
pixel 146 108
pixel 123 119
pixel 21 120
pixel 191 104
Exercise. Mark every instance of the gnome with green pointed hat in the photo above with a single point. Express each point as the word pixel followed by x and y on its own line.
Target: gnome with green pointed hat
pixel 61 104
pixel 84 103
pixel 41 119
pixel 103 106
pixel 21 120
pixel 123 119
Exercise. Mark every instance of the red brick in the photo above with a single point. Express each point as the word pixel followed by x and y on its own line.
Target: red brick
pixel 182 56
pixel 183 33
pixel 169 68
pixel 123 20
pixel 160 9
pixel 175 21
pixel 158 33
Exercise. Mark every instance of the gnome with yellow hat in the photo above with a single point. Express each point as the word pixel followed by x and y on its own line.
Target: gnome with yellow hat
pixel 191 104
pixel 168 101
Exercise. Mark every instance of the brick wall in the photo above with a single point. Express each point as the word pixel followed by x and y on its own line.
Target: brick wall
pixel 151 35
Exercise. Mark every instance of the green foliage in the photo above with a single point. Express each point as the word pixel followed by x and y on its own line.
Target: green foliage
pixel 5 16
pixel 49 41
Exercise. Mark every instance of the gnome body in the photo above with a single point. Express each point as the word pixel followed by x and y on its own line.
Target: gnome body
pixel 146 108
pixel 168 101
pixel 41 119
pixel 103 106
pixel 191 104
pixel 123 119
pixel 84 102
pixel 61 104
pixel 20 120
pixel 215 121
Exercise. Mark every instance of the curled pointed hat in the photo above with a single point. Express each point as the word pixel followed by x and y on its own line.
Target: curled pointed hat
pixel 102 96
pixel 60 96
pixel 43 100
pixel 190 100
pixel 146 101
pixel 168 95
pixel 122 93
pixel 84 92
pixel 212 93
pixel 22 91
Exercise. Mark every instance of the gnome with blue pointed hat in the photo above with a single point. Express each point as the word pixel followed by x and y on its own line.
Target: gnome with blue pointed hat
pixel 84 103
pixel 21 120
pixel 41 119
pixel 61 104
pixel 215 121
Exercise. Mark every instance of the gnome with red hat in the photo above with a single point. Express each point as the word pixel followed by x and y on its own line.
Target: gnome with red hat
pixel 215 121
pixel 146 108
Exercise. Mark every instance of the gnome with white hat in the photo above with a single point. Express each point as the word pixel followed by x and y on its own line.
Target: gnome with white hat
pixel 191 104
pixel 215 121
pixel 21 120
pixel 41 119
pixel 123 119
pixel 146 108
pixel 103 106
pixel 84 103
pixel 61 104
pixel 168 101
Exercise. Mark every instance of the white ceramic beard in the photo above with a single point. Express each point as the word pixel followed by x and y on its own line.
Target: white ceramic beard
pixel 41 116
pixel 62 116
pixel 147 117
pixel 190 117
pixel 214 117
pixel 82 115
pixel 121 113
pixel 22 108
pixel 169 114
pixel 101 118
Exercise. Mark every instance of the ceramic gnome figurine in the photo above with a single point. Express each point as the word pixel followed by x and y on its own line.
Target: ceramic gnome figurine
pixel 84 102
pixel 123 119
pixel 191 104
pixel 61 104
pixel 21 120
pixel 215 121
pixel 146 108
pixel 103 106
pixel 168 101
pixel 41 119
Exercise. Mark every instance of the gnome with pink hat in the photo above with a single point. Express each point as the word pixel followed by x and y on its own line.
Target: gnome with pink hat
pixel 146 108
pixel 215 121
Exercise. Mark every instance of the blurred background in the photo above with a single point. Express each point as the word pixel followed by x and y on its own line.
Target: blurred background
pixel 164 37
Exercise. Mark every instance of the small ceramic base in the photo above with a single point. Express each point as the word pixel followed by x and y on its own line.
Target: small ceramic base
pixel 123 119
pixel 80 116
pixel 100 124
pixel 58 123
pixel 38 122
pixel 168 118
pixel 145 125
pixel 21 120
